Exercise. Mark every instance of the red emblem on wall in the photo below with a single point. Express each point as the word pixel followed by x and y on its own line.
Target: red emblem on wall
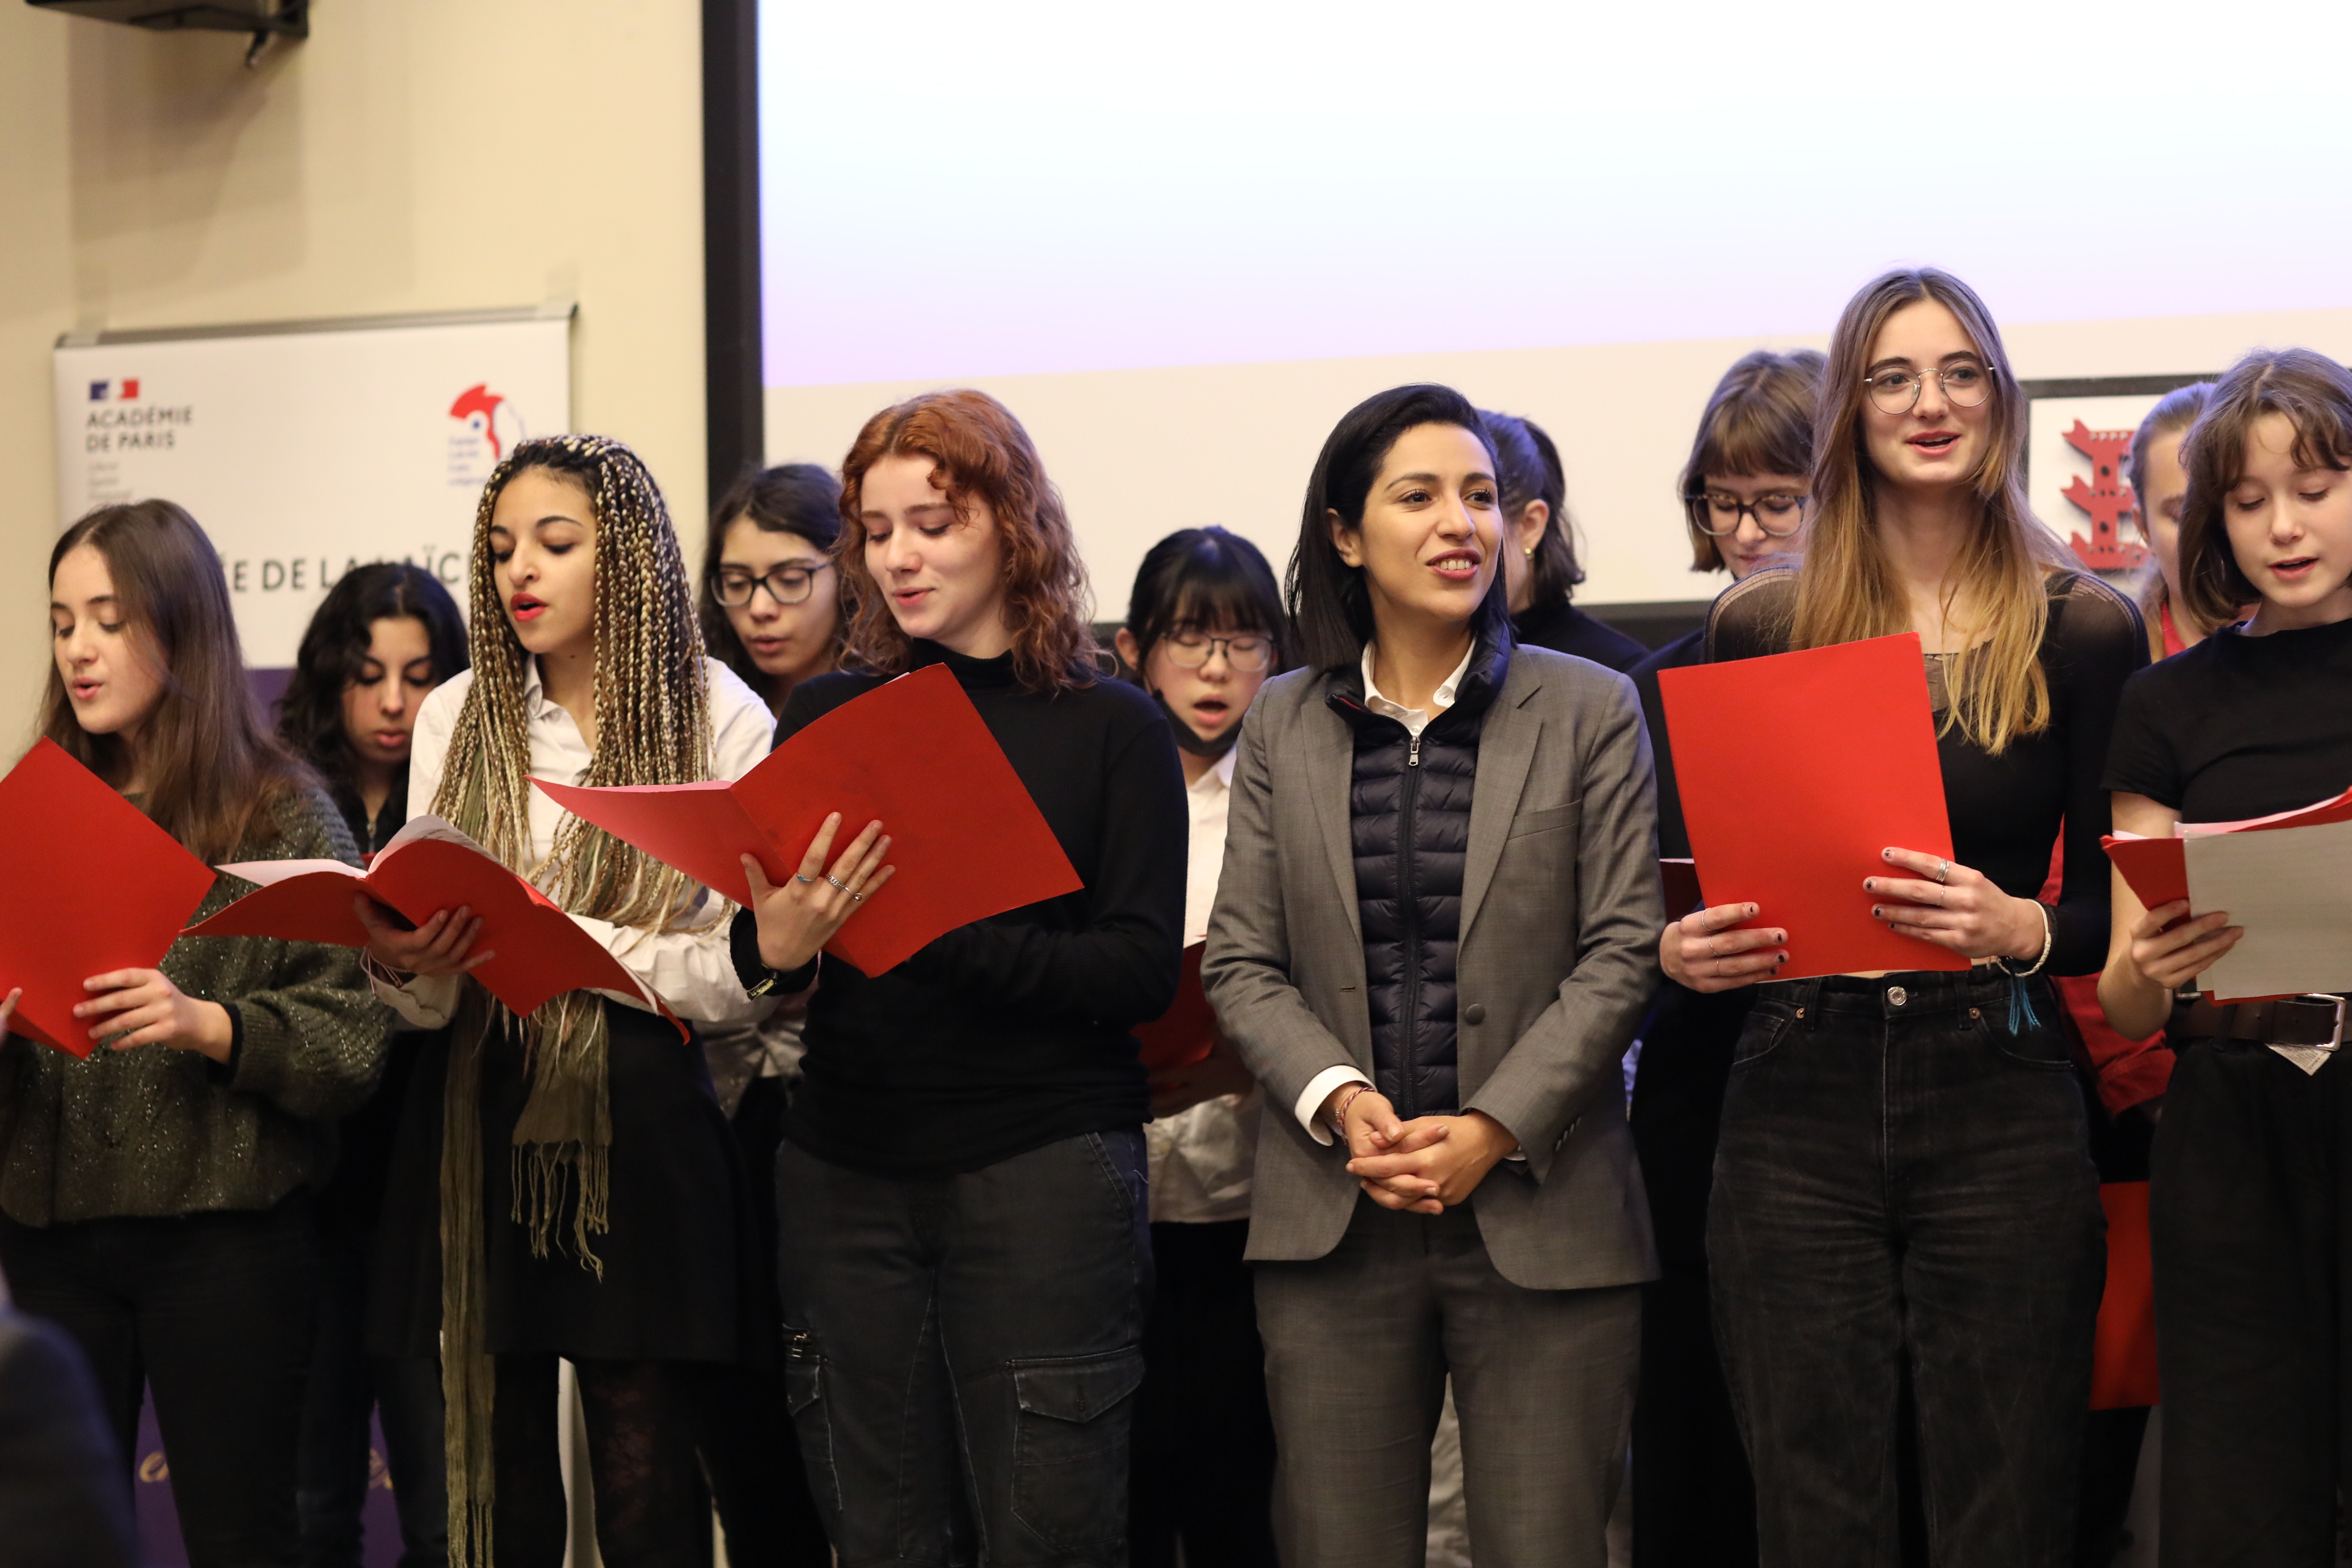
pixel 2107 500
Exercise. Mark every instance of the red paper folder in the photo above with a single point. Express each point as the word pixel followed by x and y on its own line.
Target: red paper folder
pixel 1796 769
pixel 2123 1356
pixel 1188 1030
pixel 913 753
pixel 2156 869
pixel 429 866
pixel 94 886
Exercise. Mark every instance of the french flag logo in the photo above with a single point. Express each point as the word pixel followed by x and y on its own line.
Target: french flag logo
pixel 123 390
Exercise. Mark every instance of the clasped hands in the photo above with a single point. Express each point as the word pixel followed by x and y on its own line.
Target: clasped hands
pixel 1422 1166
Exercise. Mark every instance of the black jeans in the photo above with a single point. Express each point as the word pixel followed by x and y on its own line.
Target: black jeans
pixel 346 1385
pixel 213 1311
pixel 1903 1179
pixel 961 1352
pixel 1203 1455
pixel 2247 1210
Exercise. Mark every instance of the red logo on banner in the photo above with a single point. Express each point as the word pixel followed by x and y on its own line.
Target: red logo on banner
pixel 479 402
pixel 2107 500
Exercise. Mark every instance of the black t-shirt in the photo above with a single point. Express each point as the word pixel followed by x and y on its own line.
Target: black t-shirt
pixel 2239 726
pixel 2006 810
pixel 1014 1032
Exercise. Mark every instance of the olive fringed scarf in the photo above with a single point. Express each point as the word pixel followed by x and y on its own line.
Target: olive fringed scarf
pixel 561 1156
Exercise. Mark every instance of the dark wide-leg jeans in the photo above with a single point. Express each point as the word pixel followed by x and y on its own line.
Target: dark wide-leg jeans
pixel 961 1353
pixel 1902 1178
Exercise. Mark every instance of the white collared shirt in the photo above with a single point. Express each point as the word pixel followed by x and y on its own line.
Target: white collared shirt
pixel 1202 1156
pixel 692 971
pixel 1416 720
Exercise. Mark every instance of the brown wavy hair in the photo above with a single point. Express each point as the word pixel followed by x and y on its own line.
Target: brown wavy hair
pixel 209 766
pixel 979 452
pixel 2315 395
pixel 1846 591
pixel 1760 420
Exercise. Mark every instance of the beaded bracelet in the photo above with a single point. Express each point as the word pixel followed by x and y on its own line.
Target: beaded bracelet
pixel 2049 940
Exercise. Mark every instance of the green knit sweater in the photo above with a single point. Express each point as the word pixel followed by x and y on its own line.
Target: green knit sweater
pixel 157 1132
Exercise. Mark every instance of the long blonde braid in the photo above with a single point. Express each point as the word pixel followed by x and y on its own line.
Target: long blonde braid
pixel 653 726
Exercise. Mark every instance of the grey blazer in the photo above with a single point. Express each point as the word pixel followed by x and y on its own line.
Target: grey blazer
pixel 1560 916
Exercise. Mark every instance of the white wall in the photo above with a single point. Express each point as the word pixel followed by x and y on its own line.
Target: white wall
pixel 410 155
pixel 1138 453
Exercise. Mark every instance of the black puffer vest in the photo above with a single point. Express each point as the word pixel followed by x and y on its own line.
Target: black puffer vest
pixel 1409 824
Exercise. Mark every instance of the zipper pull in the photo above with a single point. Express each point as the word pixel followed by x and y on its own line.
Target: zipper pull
pixel 1412 754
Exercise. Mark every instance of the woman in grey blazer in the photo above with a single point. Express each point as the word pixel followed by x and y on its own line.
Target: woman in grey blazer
pixel 1435 940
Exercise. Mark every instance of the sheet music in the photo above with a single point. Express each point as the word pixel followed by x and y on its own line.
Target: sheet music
pixel 2291 889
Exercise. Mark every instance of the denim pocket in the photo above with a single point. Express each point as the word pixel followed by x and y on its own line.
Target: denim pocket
pixel 2042 1045
pixel 1767 1026
pixel 1070 1450
pixel 812 1422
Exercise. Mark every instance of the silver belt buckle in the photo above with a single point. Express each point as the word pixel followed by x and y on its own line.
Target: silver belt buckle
pixel 2335 1001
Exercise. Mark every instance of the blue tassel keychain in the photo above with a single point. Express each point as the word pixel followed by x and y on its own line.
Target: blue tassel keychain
pixel 2020 1006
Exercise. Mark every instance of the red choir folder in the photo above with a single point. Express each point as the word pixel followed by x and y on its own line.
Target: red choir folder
pixel 1186 1031
pixel 2157 868
pixel 913 753
pixel 2122 1355
pixel 95 887
pixel 1796 769
pixel 428 867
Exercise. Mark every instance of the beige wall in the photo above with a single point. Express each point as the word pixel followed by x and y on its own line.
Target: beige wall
pixel 1140 453
pixel 410 155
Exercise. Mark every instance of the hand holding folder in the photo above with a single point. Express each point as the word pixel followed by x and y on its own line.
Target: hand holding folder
pixel 2284 879
pixel 538 952
pixel 913 754
pixel 95 887
pixel 1796 771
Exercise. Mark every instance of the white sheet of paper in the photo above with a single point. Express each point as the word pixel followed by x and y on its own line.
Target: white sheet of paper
pixel 2291 888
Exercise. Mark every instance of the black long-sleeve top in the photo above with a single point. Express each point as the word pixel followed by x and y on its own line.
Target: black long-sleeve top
pixel 2007 810
pixel 1014 1032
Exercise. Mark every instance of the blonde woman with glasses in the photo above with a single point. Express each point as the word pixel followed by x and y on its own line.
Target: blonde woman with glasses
pixel 1902 1178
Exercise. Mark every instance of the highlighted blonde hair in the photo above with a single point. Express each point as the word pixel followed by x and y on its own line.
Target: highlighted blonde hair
pixel 1846 590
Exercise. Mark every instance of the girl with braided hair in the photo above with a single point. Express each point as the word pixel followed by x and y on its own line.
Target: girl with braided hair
pixel 589 1206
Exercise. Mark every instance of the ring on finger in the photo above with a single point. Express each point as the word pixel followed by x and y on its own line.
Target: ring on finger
pixel 1943 870
pixel 798 877
pixel 837 882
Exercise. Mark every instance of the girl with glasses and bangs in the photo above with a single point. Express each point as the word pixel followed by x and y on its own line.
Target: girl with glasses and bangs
pixel 1203 632
pixel 1744 491
pixel 1904 1175
pixel 2247 1212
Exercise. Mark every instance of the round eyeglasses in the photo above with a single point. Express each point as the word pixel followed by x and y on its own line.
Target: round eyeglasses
pixel 733 587
pixel 1249 653
pixel 1896 390
pixel 1716 513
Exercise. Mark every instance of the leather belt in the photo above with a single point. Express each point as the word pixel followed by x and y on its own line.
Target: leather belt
pixel 2314 1020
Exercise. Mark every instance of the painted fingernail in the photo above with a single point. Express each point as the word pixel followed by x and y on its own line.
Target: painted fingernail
pixel 1870 884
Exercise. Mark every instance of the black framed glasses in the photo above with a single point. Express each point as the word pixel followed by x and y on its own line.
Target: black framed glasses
pixel 1250 652
pixel 1896 390
pixel 733 587
pixel 1716 513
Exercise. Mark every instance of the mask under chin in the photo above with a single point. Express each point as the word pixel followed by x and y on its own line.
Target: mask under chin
pixel 1190 740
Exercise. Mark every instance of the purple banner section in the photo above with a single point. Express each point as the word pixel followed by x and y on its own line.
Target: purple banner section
pixel 158 1525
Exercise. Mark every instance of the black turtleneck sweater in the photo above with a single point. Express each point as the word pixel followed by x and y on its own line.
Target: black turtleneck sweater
pixel 1014 1032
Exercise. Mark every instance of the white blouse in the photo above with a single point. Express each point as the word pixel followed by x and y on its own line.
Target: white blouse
pixel 693 971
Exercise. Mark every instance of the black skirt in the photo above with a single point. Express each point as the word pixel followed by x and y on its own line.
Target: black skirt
pixel 684 1275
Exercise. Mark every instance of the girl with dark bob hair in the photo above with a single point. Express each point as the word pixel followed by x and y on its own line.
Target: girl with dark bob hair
pixel 1204 631
pixel 961 1189
pixel 156 1196
pixel 1432 946
pixel 1539 564
pixel 2247 1217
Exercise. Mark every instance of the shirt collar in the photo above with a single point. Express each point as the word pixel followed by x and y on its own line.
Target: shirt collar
pixel 1440 700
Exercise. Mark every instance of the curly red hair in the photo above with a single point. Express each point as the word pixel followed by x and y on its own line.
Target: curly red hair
pixel 979 452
